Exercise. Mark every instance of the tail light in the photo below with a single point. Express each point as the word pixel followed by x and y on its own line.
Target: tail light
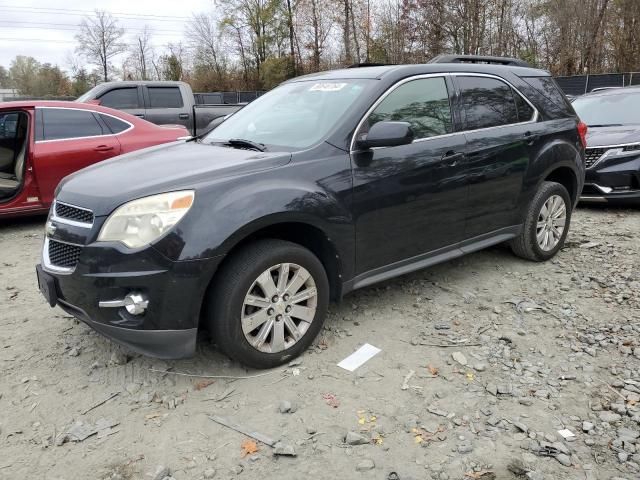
pixel 582 133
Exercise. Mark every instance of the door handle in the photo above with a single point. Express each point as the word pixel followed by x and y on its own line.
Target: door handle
pixel 139 115
pixel 452 158
pixel 530 138
pixel 184 116
pixel 103 148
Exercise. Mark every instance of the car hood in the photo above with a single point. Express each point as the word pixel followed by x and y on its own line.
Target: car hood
pixel 163 168
pixel 605 136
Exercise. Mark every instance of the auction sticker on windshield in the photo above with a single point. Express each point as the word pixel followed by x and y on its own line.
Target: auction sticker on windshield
pixel 327 87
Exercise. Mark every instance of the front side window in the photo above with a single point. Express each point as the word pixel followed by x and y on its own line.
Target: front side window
pixel 486 102
pixel 121 98
pixel 61 123
pixel 424 103
pixel 164 97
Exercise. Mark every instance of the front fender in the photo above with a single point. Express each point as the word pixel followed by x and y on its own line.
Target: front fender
pixel 226 214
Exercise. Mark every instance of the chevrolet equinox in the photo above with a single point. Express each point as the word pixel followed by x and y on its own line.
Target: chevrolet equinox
pixel 328 183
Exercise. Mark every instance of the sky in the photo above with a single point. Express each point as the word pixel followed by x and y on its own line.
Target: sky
pixel 45 30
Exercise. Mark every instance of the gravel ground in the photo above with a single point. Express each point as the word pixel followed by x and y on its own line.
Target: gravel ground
pixel 484 359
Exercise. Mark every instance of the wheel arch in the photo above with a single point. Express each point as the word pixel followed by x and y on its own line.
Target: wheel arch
pixel 302 231
pixel 565 176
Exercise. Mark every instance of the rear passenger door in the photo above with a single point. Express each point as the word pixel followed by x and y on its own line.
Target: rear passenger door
pixel 497 122
pixel 165 106
pixel 128 99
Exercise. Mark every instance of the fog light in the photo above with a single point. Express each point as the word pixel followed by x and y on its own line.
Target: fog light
pixel 135 303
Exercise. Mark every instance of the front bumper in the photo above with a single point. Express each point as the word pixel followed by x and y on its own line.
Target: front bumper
pixel 613 181
pixel 108 272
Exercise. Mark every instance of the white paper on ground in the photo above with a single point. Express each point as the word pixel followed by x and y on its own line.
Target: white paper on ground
pixel 359 357
pixel 566 433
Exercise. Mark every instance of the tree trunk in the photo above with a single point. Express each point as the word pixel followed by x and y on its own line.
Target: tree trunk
pixel 292 48
pixel 346 36
pixel 316 36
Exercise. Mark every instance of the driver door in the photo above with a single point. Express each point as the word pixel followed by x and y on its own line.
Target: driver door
pixel 410 200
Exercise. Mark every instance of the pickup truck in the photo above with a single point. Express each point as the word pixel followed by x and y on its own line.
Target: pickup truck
pixel 160 102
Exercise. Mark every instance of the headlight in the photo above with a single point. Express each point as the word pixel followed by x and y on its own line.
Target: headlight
pixel 140 222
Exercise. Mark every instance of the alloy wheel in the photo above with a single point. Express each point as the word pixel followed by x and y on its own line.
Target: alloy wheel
pixel 552 220
pixel 279 307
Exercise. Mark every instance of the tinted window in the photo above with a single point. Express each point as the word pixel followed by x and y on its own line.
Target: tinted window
pixel 424 103
pixel 553 100
pixel 121 98
pixel 487 102
pixel 115 125
pixel 525 111
pixel 164 97
pixel 64 123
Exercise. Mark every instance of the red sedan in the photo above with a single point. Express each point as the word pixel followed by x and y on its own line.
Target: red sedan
pixel 43 142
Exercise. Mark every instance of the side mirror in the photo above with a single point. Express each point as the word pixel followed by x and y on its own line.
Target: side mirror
pixel 386 134
pixel 94 101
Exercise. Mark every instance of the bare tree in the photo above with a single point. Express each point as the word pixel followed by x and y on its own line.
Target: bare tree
pixel 142 55
pixel 100 40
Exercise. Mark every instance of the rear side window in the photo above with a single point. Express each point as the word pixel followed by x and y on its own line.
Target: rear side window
pixel 486 102
pixel 551 98
pixel 424 103
pixel 114 124
pixel 121 98
pixel 60 123
pixel 164 97
pixel 525 111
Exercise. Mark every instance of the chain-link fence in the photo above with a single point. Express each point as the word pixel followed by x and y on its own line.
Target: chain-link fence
pixel 581 84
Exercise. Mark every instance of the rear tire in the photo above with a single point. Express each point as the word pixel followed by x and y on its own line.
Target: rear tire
pixel 260 320
pixel 546 224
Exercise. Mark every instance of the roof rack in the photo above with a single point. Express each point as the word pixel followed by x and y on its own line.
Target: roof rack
pixel 479 59
pixel 361 65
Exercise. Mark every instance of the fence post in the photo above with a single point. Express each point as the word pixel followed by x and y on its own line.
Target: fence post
pixel 586 84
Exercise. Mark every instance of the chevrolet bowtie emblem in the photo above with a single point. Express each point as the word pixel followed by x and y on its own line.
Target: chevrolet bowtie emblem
pixel 50 228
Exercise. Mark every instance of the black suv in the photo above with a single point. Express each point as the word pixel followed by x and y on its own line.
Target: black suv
pixel 330 182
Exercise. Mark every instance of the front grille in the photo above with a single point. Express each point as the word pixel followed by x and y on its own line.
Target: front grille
pixel 76 214
pixel 592 155
pixel 63 255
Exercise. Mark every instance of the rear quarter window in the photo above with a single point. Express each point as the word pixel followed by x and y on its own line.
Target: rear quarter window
pixel 549 96
pixel 114 124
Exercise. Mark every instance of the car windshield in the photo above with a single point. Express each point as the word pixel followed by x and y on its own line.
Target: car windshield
pixel 293 116
pixel 612 109
pixel 88 95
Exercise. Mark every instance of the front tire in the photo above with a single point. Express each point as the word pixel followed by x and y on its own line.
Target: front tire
pixel 546 224
pixel 268 303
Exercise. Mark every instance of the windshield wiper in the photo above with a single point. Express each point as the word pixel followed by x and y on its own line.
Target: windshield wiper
pixel 607 125
pixel 241 142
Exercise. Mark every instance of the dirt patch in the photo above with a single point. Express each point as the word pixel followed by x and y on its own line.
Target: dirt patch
pixel 484 360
